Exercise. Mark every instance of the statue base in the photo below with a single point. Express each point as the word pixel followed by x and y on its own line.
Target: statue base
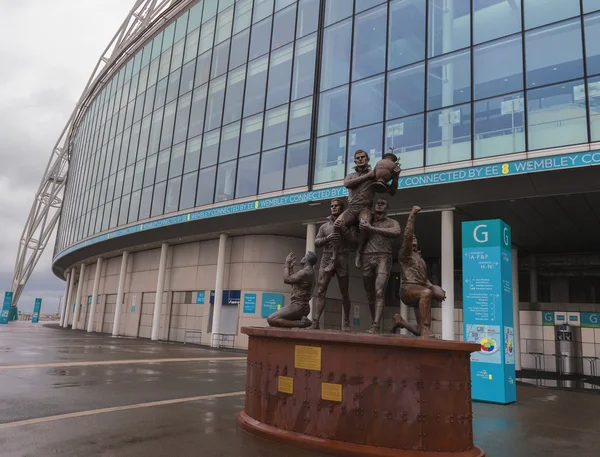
pixel 360 395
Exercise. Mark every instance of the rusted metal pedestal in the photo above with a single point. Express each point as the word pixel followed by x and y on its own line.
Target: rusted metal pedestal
pixel 360 395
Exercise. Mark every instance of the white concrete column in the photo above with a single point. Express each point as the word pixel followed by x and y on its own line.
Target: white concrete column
pixel 119 305
pixel 533 279
pixel 90 322
pixel 160 285
pixel 515 297
pixel 218 289
pixel 69 298
pixel 447 261
pixel 66 299
pixel 311 234
pixel 78 297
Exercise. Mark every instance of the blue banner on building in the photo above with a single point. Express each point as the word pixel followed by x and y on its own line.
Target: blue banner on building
pixel 6 307
pixel 249 303
pixel 488 309
pixel 590 320
pixel 229 297
pixel 37 306
pixel 200 297
pixel 270 303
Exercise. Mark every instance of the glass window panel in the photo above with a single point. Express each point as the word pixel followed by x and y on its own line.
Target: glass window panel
pixel 333 110
pixel 145 203
pixel 262 9
pixel 172 199
pixel 300 120
pixel 143 80
pixel 554 53
pixel 449 28
pixel 449 80
pixel 498 67
pixel 214 107
pixel 405 136
pixel 495 18
pixel 406 91
pixel 369 43
pixel 165 63
pixel 336 10
pixel 367 102
pixel 275 127
pixel 169 36
pixel 239 49
pixel 335 64
pixel 220 59
pixel 296 165
pixel 197 112
pixel 260 38
pixel 224 23
pixel 203 69
pixel 406 32
pixel 210 148
pixel 103 215
pixel 368 139
pixel 223 4
pixel 144 135
pixel 556 115
pixel 150 169
pixel 187 78
pixel 449 135
pixel 308 17
pixel 153 72
pixel 362 5
pixel 242 15
pixel 283 27
pixel 114 214
pixel 158 199
pixel 191 46
pixel 594 101
pixel 124 210
pixel 139 107
pixel 146 54
pixel 592 43
pixel 134 206
pixel 188 190
pixel 173 85
pixel 591 5
pixel 540 13
pixel 230 136
pixel 138 175
pixel 166 137
pixel 162 167
pixel 110 188
pixel 225 181
pixel 499 126
pixel 210 10
pixel 280 4
pixel 251 135
pixel 271 171
pixel 255 86
pixel 195 18
pixel 234 95
pixel 155 131
pixel 207 36
pixel 330 158
pixel 177 57
pixel 161 93
pixel 181 26
pixel 247 179
pixel 182 118
pixel 149 101
pixel 206 186
pixel 176 164
pixel 280 75
pixel 192 154
pixel 128 179
pixel 304 67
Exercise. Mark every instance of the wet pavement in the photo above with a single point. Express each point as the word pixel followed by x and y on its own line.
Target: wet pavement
pixel 143 400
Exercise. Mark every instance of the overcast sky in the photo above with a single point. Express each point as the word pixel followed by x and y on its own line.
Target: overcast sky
pixel 48 50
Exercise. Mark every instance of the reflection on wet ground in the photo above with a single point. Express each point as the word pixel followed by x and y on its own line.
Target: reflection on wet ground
pixel 189 407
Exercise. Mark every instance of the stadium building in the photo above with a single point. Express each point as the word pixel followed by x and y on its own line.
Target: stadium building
pixel 209 146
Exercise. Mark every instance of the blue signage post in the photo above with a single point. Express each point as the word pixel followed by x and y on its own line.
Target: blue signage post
pixel 6 307
pixel 249 303
pixel 488 309
pixel 35 317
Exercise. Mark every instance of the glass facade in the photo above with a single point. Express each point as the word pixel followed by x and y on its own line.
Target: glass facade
pixel 234 99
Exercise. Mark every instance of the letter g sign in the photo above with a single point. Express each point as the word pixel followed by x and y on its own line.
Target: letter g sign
pixel 481 236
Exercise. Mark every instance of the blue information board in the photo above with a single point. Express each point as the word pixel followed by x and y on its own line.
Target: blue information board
pixel 488 309
pixel 37 306
pixel 249 303
pixel 229 297
pixel 200 297
pixel 270 303
pixel 6 307
pixel 548 318
pixel 590 320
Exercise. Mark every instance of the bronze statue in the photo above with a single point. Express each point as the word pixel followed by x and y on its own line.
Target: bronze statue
pixel 295 314
pixel 361 192
pixel 416 291
pixel 378 259
pixel 332 240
